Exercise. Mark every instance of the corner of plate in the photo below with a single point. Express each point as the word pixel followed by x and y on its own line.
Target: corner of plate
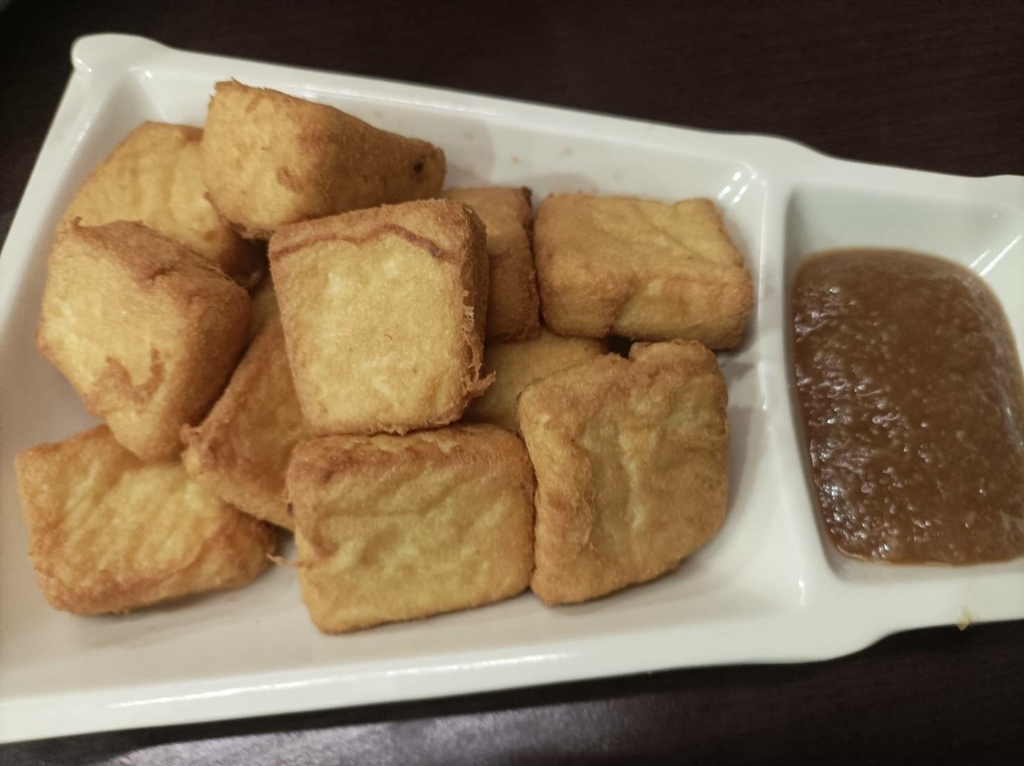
pixel 105 54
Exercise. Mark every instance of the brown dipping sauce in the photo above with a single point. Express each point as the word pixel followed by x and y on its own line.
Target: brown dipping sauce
pixel 912 400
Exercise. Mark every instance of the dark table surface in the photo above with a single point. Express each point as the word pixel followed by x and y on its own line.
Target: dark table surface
pixel 938 86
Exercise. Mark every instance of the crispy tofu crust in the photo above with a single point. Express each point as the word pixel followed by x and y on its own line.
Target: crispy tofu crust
pixel 154 177
pixel 145 331
pixel 517 364
pixel 271 159
pixel 109 533
pixel 395 528
pixel 513 306
pixel 240 451
pixel 383 314
pixel 632 467
pixel 639 268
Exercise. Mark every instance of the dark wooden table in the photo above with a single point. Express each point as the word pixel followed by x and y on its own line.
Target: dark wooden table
pixel 931 85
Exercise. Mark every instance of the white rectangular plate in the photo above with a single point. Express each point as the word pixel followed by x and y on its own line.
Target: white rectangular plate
pixel 767 589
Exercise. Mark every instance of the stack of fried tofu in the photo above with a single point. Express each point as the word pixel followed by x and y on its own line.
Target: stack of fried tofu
pixel 285 321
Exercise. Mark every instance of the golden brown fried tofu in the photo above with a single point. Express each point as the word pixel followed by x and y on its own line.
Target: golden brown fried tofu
pixel 154 177
pixel 271 159
pixel 240 451
pixel 383 314
pixel 395 528
pixel 517 364
pixel 639 268
pixel 109 533
pixel 632 467
pixel 145 330
pixel 513 307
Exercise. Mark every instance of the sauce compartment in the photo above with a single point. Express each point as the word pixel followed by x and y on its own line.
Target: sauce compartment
pixel 987 238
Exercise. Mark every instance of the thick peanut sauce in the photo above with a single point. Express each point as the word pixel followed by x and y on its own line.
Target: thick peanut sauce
pixel 912 401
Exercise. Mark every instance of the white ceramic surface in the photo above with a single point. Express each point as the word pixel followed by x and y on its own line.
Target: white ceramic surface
pixel 765 590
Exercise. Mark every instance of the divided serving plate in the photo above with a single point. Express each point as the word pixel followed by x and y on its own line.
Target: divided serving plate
pixel 769 588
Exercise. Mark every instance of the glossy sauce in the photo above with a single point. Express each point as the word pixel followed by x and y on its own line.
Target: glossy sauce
pixel 912 401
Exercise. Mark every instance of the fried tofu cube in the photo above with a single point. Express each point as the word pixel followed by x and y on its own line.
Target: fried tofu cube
pixel 517 364
pixel 513 305
pixel 639 268
pixel 240 451
pixel 110 533
pixel 383 314
pixel 145 331
pixel 393 528
pixel 271 159
pixel 154 177
pixel 632 467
